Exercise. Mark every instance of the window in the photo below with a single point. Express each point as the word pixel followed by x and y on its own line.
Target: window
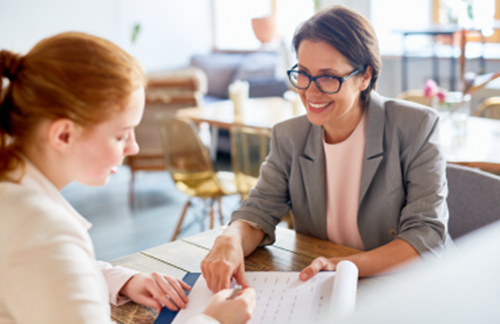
pixel 233 20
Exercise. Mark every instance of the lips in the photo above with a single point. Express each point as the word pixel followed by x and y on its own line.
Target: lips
pixel 317 107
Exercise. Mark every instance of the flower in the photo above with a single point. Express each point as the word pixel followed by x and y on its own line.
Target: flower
pixel 441 96
pixel 430 88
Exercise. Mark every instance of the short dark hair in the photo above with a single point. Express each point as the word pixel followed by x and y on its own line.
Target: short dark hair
pixel 348 32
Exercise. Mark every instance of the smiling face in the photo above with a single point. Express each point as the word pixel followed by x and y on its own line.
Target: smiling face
pixel 338 113
pixel 101 148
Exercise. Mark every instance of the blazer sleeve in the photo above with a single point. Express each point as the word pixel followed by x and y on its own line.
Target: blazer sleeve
pixel 48 274
pixel 269 201
pixel 424 217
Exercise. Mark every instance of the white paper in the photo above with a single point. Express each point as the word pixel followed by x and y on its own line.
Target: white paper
pixel 283 298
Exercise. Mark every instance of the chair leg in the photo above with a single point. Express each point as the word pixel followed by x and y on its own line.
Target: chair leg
pixel 179 224
pixel 211 213
pixel 219 201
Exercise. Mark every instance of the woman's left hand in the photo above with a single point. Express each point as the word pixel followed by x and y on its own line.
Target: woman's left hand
pixel 152 289
pixel 317 265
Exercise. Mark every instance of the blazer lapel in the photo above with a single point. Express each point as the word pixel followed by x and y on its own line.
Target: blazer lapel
pixel 374 146
pixel 312 166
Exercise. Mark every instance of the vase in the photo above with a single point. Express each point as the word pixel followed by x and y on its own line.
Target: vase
pixel 457 108
pixel 460 114
pixel 264 28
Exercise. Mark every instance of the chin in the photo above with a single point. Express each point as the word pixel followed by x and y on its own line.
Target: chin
pixel 315 120
pixel 96 182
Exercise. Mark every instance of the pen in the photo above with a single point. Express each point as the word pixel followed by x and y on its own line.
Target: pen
pixel 235 292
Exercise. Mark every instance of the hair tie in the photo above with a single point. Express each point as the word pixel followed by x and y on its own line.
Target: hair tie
pixel 10 64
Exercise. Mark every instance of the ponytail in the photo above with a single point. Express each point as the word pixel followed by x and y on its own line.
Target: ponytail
pixel 10 159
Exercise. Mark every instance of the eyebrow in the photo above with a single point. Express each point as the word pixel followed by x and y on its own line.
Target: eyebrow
pixel 323 71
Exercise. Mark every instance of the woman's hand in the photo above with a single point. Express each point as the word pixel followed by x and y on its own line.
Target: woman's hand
pixel 224 261
pixel 369 263
pixel 152 289
pixel 237 310
pixel 317 265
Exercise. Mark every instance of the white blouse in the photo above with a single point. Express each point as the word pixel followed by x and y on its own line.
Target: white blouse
pixel 48 270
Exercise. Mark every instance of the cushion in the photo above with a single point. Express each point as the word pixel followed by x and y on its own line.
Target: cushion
pixel 259 65
pixel 219 69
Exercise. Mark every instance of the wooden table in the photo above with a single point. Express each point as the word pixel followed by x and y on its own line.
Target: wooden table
pixel 290 252
pixel 479 145
pixel 257 112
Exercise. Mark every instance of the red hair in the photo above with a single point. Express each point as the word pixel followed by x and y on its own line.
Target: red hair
pixel 71 75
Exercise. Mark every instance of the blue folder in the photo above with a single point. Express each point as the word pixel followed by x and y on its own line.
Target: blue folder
pixel 166 315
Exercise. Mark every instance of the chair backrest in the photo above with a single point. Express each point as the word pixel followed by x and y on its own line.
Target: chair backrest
pixel 185 155
pixel 473 199
pixel 415 96
pixel 249 148
pixel 490 108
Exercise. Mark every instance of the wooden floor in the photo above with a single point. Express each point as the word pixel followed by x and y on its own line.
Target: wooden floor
pixel 119 230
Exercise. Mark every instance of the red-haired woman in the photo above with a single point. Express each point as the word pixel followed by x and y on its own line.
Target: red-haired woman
pixel 68 114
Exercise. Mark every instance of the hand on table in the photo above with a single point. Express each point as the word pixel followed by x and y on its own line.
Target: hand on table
pixel 152 289
pixel 237 310
pixel 224 261
pixel 318 264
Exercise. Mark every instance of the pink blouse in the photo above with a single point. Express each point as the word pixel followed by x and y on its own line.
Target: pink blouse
pixel 344 163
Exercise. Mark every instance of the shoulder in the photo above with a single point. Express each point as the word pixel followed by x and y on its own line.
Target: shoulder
pixel 294 130
pixel 290 137
pixel 406 116
pixel 293 125
pixel 28 213
pixel 407 112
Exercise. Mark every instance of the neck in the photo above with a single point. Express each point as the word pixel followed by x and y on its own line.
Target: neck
pixel 49 165
pixel 340 129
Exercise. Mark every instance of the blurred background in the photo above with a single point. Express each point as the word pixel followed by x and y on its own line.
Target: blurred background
pixel 227 40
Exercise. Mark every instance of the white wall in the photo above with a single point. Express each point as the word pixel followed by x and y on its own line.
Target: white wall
pixel 172 31
pixel 361 6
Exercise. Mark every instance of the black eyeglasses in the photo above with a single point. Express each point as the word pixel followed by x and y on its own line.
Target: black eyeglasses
pixel 326 83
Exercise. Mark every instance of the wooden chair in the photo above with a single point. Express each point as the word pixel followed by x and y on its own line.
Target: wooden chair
pixel 249 149
pixel 490 108
pixel 190 166
pixel 472 200
pixel 166 92
pixel 415 96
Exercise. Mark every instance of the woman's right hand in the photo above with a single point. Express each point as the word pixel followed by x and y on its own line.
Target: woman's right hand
pixel 224 261
pixel 237 310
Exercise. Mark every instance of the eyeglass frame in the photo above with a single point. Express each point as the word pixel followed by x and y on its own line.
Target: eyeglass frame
pixel 315 79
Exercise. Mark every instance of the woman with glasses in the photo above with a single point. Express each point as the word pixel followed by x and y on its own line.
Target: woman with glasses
pixel 360 170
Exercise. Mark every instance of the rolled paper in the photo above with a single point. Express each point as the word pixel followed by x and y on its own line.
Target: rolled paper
pixel 344 290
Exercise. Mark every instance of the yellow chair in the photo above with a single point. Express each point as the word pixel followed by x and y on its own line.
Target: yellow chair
pixel 249 149
pixel 416 96
pixel 190 166
pixel 490 108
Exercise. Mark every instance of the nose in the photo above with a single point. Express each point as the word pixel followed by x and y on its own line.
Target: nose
pixel 131 147
pixel 313 89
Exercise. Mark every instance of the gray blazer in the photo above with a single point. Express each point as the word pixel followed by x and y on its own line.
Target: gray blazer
pixel 403 183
